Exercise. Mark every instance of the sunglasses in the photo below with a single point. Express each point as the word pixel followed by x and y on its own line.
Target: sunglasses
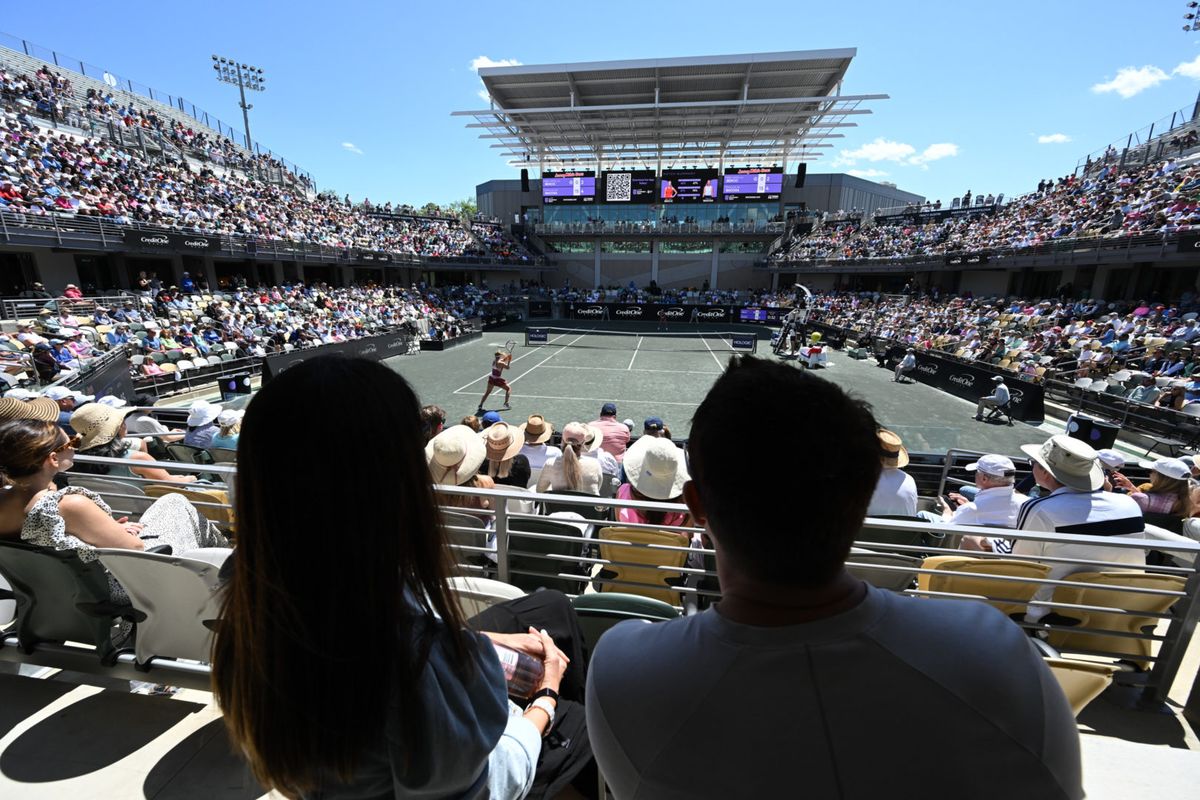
pixel 72 443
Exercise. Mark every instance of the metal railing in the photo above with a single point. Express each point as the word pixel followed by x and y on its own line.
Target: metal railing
pixel 15 308
pixel 497 544
pixel 56 230
pixel 1146 144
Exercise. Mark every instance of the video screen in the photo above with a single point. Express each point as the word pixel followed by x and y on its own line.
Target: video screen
pixel 688 186
pixel 753 315
pixel 631 186
pixel 576 186
pixel 751 184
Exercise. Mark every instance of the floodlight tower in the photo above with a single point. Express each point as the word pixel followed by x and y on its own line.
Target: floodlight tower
pixel 244 77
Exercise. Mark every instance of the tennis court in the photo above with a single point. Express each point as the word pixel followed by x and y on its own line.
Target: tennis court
pixel 646 373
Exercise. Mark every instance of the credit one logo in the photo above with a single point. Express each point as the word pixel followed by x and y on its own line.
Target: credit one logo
pixel 368 349
pixel 590 311
pixel 712 313
pixel 155 240
pixel 963 380
pixel 675 313
pixel 629 312
pixel 396 343
pixel 196 243
pixel 928 369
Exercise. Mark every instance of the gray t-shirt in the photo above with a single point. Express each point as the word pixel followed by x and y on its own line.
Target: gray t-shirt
pixel 897 697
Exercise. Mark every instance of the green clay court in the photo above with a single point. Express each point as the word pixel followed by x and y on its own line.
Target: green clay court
pixel 650 375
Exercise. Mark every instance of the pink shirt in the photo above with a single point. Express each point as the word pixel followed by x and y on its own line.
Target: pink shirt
pixel 616 436
pixel 625 492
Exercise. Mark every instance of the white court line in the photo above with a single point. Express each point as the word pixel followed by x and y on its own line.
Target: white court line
pixel 552 355
pixel 626 369
pixel 635 352
pixel 711 353
pixel 515 360
pixel 603 400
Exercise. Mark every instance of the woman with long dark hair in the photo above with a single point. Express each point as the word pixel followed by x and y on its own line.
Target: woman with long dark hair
pixel 341 663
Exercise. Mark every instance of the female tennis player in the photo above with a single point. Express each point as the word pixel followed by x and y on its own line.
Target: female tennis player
pixel 500 362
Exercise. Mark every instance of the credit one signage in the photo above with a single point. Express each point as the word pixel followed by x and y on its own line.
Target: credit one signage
pixel 971 382
pixel 653 312
pixel 154 240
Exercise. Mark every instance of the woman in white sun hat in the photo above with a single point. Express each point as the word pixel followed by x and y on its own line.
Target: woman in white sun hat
pixel 201 423
pixel 1167 491
pixel 656 470
pixel 454 457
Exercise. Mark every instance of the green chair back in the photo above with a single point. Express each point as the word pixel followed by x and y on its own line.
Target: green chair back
pixel 531 554
pixel 599 612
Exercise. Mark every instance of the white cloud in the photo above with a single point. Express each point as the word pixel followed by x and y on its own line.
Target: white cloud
pixel 1188 69
pixel 867 173
pixel 351 147
pixel 935 152
pixel 879 150
pixel 1133 80
pixel 479 62
pixel 1053 138
pixel 484 96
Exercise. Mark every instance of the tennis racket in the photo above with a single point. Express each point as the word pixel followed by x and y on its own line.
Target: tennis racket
pixel 509 345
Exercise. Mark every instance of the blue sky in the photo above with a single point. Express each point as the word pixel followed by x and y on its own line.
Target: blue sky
pixel 987 97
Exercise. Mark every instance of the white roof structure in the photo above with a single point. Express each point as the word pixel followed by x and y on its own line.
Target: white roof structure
pixel 660 113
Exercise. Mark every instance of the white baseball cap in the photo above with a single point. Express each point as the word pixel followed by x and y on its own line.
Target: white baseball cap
pixel 113 400
pixel 60 392
pixel 1170 467
pixel 990 464
pixel 1111 458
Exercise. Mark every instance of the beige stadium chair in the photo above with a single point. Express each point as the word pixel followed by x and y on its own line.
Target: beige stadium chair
pixel 475 595
pixel 966 575
pixel 220 516
pixel 1137 649
pixel 1081 681
pixel 648 565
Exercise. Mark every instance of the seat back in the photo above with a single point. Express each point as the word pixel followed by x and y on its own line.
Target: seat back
pixel 1119 624
pixel 965 575
pixel 223 455
pixel 53 590
pixel 475 535
pixel 1081 681
pixel 173 596
pixel 533 554
pixel 877 539
pixel 656 569
pixel 474 595
pixel 599 612
pixel 125 499
pixel 188 454
pixel 589 512
pixel 865 564
pixel 202 499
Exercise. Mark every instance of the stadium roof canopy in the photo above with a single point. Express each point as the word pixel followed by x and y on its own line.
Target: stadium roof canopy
pixel 659 113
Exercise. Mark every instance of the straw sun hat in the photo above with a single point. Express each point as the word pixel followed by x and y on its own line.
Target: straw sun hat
pixel 655 468
pixel 536 430
pixel 501 441
pixel 97 424
pixel 42 409
pixel 893 453
pixel 454 455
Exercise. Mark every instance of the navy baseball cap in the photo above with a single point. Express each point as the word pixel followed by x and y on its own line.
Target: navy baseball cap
pixel 490 418
pixel 653 424
pixel 608 410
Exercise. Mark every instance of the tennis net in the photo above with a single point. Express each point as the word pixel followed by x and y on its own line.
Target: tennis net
pixel 691 341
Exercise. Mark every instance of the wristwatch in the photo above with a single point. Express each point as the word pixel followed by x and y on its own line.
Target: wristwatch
pixel 553 695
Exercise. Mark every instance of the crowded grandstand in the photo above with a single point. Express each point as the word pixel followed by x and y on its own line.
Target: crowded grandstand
pixel 669 447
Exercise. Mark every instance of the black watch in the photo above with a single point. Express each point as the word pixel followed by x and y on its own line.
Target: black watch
pixel 553 695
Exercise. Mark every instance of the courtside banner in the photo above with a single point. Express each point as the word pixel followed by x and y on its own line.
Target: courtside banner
pixel 111 378
pixel 740 342
pixel 183 242
pixel 375 348
pixel 653 312
pixel 537 335
pixel 1188 243
pixel 972 382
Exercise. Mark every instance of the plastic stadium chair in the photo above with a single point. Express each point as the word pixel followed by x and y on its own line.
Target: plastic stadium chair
pixel 588 512
pixel 223 455
pixel 656 569
pixel 1081 681
pixel 474 595
pixel 113 493
pixel 966 575
pixel 59 598
pixel 878 539
pixel 188 454
pixel 466 530
pixel 533 554
pixel 1137 649
pixel 864 564
pixel 172 597
pixel 599 612
pixel 8 603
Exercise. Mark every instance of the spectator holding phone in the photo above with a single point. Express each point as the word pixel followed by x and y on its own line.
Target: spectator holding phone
pixel 996 502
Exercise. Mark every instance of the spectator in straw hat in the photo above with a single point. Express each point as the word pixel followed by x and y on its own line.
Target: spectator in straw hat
pixel 42 409
pixel 655 470
pixel 1069 470
pixel 102 429
pixel 454 457
pixel 571 472
pixel 537 432
pixel 896 492
pixel 503 441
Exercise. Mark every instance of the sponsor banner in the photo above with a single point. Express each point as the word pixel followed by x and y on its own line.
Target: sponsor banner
pixel 966 259
pixel 375 348
pixel 1188 243
pixel 746 342
pixel 941 215
pixel 971 382
pixel 537 335
pixel 112 377
pixel 651 312
pixel 540 309
pixel 186 242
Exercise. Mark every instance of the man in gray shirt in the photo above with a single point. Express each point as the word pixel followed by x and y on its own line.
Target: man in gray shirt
pixel 803 680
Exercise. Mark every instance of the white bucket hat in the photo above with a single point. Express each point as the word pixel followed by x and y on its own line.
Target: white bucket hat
pixel 1175 468
pixel 202 413
pixel 454 455
pixel 656 468
pixel 1072 463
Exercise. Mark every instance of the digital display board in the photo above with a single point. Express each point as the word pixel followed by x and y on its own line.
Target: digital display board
pixel 576 186
pixel 630 186
pixel 688 186
pixel 749 184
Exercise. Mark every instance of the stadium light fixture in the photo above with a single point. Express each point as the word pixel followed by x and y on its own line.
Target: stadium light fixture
pixel 245 77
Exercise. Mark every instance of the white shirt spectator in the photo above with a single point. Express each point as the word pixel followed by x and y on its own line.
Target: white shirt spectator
pixel 997 506
pixel 608 464
pixel 539 454
pixel 895 495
